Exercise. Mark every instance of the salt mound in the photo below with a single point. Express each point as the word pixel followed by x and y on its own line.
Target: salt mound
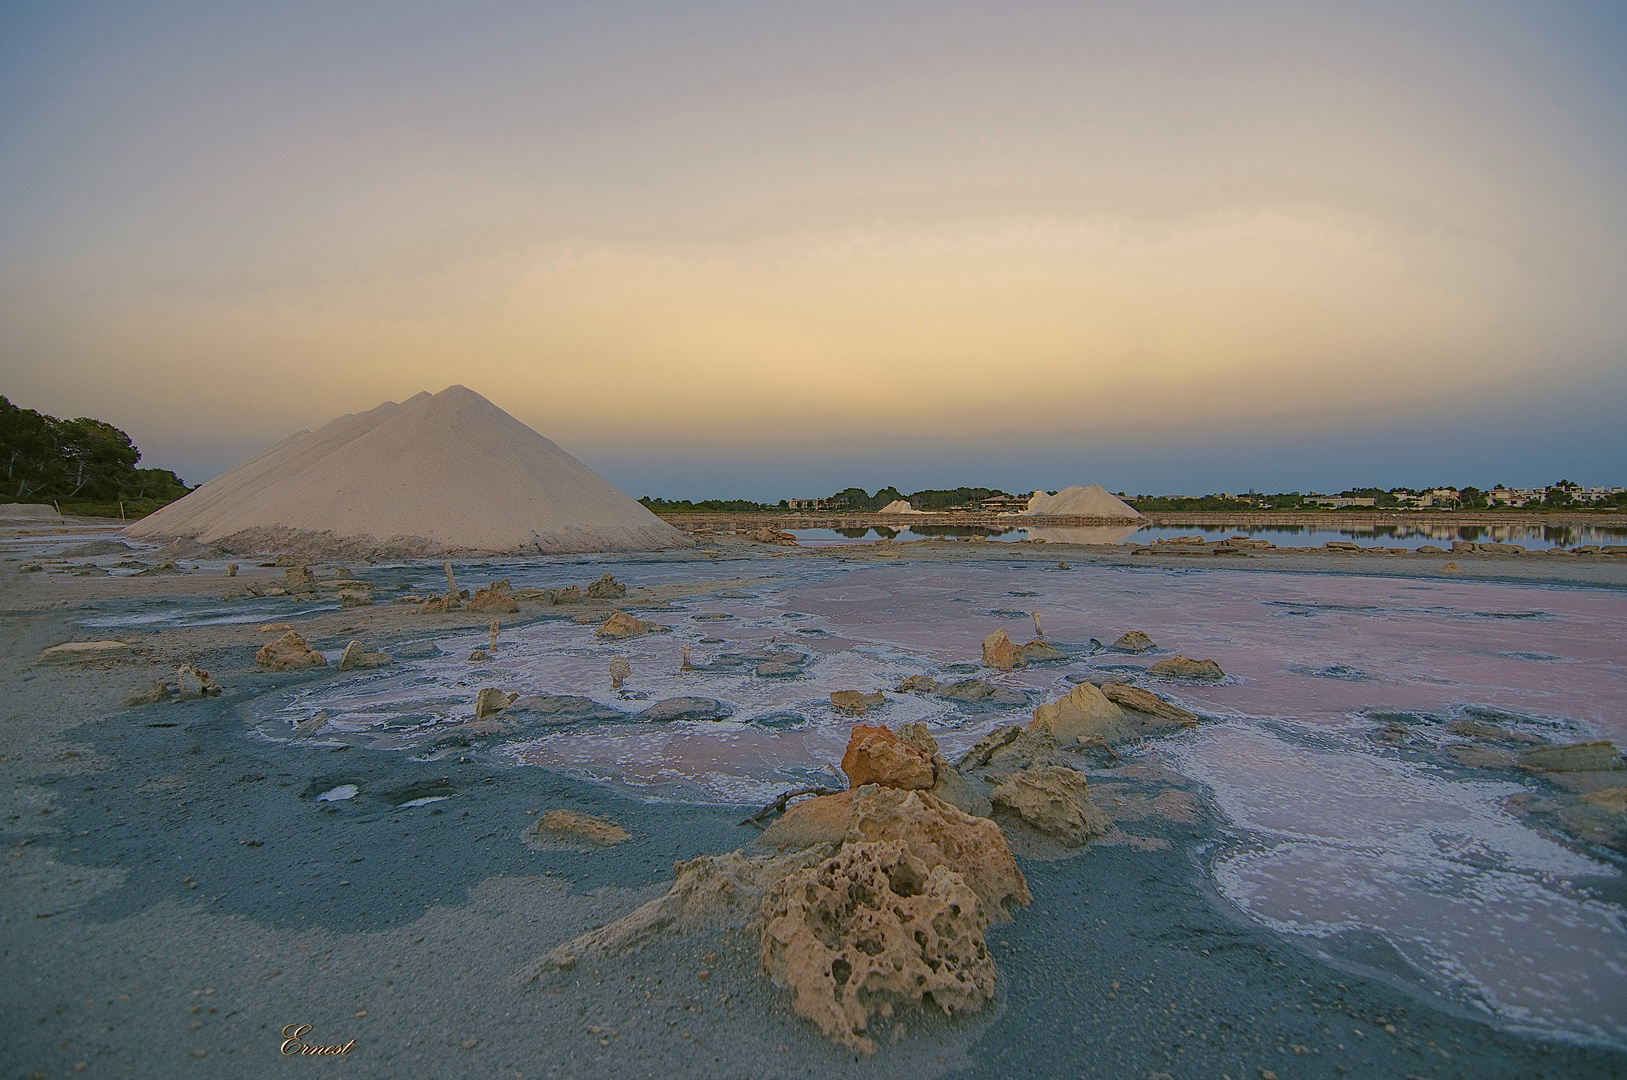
pixel 438 473
pixel 1094 501
pixel 29 513
pixel 899 506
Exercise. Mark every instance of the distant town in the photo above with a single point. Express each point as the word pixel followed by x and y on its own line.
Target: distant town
pixel 1562 494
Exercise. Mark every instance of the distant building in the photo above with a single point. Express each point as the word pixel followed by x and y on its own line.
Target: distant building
pixel 1003 503
pixel 808 504
pixel 1337 501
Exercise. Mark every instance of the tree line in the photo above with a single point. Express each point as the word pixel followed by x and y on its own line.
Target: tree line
pixel 84 463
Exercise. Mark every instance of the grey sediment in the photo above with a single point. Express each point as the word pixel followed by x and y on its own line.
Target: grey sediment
pixel 162 877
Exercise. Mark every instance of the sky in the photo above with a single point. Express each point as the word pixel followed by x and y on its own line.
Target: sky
pixel 765 250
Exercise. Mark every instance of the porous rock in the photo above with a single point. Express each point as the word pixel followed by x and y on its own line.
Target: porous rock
pixel 288 653
pixel 923 684
pixel 876 756
pixel 1181 667
pixel 1055 800
pixel 1082 715
pixel 937 832
pixel 620 670
pixel 869 929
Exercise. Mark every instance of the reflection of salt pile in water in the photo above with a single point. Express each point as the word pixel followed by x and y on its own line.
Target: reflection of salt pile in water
pixel 1085 534
pixel 899 506
pixel 436 473
pixel 1094 501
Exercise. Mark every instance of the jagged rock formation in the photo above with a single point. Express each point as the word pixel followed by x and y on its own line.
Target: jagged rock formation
pixel 1056 801
pixel 1082 715
pixel 288 653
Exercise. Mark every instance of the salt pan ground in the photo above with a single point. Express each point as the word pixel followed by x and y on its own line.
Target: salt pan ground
pixel 1324 870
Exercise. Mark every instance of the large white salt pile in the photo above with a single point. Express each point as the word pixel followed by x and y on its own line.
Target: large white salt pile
pixel 438 473
pixel 899 506
pixel 1094 501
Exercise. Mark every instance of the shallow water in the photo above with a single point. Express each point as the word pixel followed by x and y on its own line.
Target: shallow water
pixel 1332 834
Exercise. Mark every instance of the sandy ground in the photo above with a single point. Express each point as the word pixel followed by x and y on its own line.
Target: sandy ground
pixel 173 896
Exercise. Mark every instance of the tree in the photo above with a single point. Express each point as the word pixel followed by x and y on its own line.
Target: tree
pixel 83 458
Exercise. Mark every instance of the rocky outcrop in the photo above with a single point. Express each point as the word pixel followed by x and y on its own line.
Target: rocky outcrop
pixel 1056 801
pixel 968 690
pixel 570 594
pixel 193 683
pixel 872 928
pixel 1145 701
pixel 491 700
pixel 438 605
pixel 1040 652
pixel 493 602
pixel 876 756
pixel 999 651
pixel 70 651
pixel 1574 757
pixel 947 783
pixel 687 708
pixel 622 625
pixel 289 653
pixel 300 580
pixel 356 655
pixel 1082 715
pixel 854 703
pixel 917 684
pixel 606 588
pixel 620 670
pixel 982 751
pixel 1134 641
pixel 711 891
pixel 820 820
pixel 571 826
pixel 938 833
pixel 1180 667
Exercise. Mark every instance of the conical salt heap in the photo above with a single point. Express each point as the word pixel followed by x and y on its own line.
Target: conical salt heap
pixel 1094 501
pixel 438 473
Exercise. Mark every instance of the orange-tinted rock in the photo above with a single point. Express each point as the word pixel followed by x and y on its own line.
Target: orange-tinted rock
pixel 877 756
pixel 999 651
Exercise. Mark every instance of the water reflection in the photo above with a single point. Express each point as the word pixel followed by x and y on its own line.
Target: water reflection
pixel 1379 534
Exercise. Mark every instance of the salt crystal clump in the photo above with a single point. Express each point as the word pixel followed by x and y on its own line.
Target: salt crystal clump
pixel 871 928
